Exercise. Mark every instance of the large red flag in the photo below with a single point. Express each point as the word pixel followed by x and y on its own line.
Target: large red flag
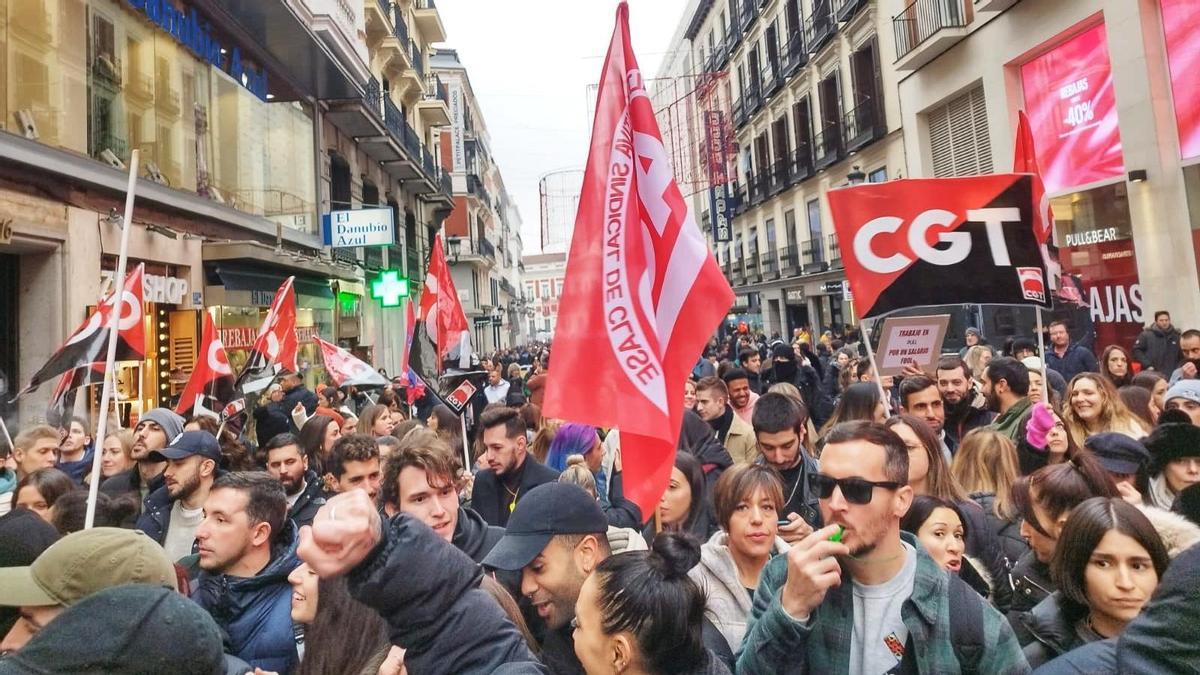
pixel 212 378
pixel 276 343
pixel 642 293
pixel 1025 161
pixel 89 343
pixel 441 312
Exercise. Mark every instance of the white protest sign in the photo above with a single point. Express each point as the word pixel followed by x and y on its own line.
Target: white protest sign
pixel 910 341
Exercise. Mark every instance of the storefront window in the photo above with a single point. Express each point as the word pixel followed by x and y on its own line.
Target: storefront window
pixel 100 79
pixel 238 326
pixel 1094 232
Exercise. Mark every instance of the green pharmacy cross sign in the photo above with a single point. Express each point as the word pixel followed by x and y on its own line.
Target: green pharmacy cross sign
pixel 389 287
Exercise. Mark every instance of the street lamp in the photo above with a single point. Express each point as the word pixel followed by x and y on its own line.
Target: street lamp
pixel 453 244
pixel 856 176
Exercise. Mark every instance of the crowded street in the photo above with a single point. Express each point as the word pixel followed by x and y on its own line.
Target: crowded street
pixel 606 337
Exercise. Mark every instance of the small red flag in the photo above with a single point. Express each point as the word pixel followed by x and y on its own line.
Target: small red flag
pixel 410 322
pixel 346 368
pixel 211 378
pixel 441 312
pixel 276 341
pixel 642 292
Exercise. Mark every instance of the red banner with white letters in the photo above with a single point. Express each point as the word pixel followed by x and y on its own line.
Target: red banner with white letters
pixel 642 291
pixel 939 241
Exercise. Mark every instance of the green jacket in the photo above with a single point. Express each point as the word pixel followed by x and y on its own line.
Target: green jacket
pixel 777 643
pixel 1012 423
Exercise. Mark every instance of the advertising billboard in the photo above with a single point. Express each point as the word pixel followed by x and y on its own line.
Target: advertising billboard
pixel 1181 28
pixel 1073 112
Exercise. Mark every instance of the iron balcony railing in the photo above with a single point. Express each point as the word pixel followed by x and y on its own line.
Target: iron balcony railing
pixel 813 255
pixel 780 171
pixel 769 264
pixel 922 19
pixel 835 252
pixel 393 119
pixel 739 113
pixel 399 28
pixel 827 146
pixel 801 164
pixel 418 61
pixel 752 97
pixel 385 6
pixel 863 124
pixel 446 185
pixel 820 27
pixel 846 9
pixel 436 90
pixel 486 248
pixel 794 54
pixel 425 4
pixel 789 259
pixel 427 163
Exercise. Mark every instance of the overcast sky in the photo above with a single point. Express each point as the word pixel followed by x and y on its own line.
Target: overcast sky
pixel 530 63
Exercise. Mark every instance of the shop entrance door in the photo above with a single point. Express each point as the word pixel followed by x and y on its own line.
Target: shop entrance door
pixel 797 316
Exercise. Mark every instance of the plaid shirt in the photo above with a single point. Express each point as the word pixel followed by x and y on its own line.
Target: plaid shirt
pixel 777 643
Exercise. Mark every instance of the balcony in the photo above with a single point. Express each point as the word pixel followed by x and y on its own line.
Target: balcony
pixel 759 184
pixel 740 203
pixel 801 167
pixel 772 80
pixel 864 125
pixel 752 97
pixel 789 262
pixel 828 146
pixel 377 12
pixel 141 87
pixel 486 248
pixel 428 21
pixel 845 10
pixel 813 257
pixel 446 185
pixel 927 28
pixel 739 114
pixel 769 264
pixel 377 126
pixel 994 5
pixel 794 56
pixel 820 28
pixel 749 13
pixel 737 276
pixel 414 75
pixel 753 275
pixel 475 187
pixel 434 106
pixel 835 252
pixel 724 49
pixel 394 45
pixel 779 175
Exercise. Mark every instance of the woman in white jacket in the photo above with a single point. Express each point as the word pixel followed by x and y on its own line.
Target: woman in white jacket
pixel 747 499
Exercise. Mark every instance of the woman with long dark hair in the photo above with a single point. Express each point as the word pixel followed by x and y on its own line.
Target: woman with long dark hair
pixel 1116 365
pixel 1107 565
pixel 639 612
pixel 860 402
pixel 683 507
pixel 942 529
pixel 316 439
pixel 38 491
pixel 341 635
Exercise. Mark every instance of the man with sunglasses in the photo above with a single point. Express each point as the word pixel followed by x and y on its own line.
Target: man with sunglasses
pixel 780 424
pixel 900 612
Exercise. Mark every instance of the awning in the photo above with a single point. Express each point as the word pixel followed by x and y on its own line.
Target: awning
pixel 235 277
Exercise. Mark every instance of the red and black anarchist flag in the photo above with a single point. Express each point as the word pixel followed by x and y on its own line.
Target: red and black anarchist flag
pixel 62 400
pixel 941 241
pixel 89 343
pixel 211 385
pixel 276 345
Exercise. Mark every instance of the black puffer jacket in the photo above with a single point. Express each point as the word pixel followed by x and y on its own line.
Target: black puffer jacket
pixel 1010 544
pixel 428 592
pixel 1030 584
pixel 1051 631
pixel 473 536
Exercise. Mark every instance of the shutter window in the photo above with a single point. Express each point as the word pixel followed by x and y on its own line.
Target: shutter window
pixel 958 136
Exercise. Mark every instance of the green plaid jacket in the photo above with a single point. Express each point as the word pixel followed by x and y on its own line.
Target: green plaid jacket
pixel 776 643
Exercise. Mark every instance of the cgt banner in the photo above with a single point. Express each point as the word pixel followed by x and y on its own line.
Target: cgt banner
pixel 939 241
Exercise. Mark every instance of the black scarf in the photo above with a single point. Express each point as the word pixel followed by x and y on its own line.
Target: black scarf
pixel 721 424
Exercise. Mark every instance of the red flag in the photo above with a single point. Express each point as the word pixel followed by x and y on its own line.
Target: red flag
pixel 642 292
pixel 346 368
pixel 441 312
pixel 212 377
pixel 410 322
pixel 89 343
pixel 276 342
pixel 1025 161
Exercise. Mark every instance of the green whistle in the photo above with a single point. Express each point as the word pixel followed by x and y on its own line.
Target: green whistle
pixel 836 537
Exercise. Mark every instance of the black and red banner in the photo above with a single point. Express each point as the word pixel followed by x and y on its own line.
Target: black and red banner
pixel 940 241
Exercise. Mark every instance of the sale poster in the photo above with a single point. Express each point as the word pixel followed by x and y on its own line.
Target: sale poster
pixel 910 341
pixel 1072 110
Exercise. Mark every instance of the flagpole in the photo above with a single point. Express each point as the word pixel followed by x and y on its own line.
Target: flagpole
pixel 1042 353
pixel 887 405
pixel 466 449
pixel 113 336
pixel 4 428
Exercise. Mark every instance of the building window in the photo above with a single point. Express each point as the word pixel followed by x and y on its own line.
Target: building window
pixel 529 289
pixel 815 250
pixel 558 286
pixel 958 136
pixel 544 288
pixel 878 175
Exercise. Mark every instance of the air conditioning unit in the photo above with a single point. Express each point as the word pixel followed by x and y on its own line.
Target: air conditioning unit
pixel 111 159
pixel 28 126
pixel 154 174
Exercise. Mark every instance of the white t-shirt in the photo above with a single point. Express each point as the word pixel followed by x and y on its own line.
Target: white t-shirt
pixel 879 637
pixel 182 530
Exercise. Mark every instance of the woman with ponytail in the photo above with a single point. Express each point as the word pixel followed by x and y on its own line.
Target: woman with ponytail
pixel 639 612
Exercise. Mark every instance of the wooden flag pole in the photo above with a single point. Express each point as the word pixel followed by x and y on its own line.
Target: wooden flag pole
pixel 887 404
pixel 113 337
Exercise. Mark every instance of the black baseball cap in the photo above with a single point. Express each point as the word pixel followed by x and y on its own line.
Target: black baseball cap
pixel 547 510
pixel 187 444
pixel 1118 453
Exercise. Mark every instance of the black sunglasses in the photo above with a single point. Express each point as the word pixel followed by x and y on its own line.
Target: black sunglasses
pixel 855 490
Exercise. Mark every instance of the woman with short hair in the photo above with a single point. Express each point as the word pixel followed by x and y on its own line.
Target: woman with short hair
pixel 748 500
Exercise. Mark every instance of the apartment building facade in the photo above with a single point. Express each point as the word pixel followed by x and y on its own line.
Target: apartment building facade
pixel 808 85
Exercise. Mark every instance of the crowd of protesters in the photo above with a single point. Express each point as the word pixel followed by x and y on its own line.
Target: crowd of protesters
pixel 1005 511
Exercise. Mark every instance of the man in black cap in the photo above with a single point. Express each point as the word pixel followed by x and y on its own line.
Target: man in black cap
pixel 1125 459
pixel 172 513
pixel 556 538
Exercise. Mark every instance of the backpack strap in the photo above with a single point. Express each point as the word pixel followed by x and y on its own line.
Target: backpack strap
pixel 966 624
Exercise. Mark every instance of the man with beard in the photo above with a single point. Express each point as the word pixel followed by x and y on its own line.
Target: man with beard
pixel 512 472
pixel 732 432
pixel 785 368
pixel 555 538
pixel 153 431
pixel 919 396
pixel 780 424
pixel 288 463
pixel 741 395
pixel 1006 386
pixel 965 408
pixel 859 596
pixel 354 464
pixel 172 513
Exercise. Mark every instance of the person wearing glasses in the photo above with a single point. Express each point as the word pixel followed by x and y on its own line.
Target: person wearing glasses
pixel 859 596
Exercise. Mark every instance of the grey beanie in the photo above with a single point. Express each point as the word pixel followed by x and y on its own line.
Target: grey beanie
pixel 172 424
